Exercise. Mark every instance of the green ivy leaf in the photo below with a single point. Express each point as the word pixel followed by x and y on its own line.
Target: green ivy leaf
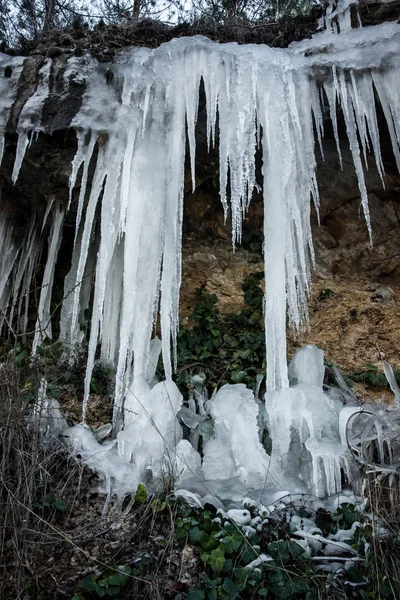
pixel 230 588
pixel 211 583
pixel 228 565
pixel 195 594
pixel 194 535
pixel 210 526
pixel 216 560
pixel 241 575
pixel 282 592
pixel 295 550
pixel 279 551
pixel 89 583
pixel 60 505
pixel 49 500
pixel 212 594
pixel 346 512
pixel 299 584
pixel 117 579
pixel 275 576
pixel 207 543
pixel 248 554
pixel 238 376
pixel 233 542
pixel 113 591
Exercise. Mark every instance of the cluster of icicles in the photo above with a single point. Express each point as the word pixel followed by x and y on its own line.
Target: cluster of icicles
pixel 255 96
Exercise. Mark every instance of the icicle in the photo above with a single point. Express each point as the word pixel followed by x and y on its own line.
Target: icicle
pixel 84 159
pixel 30 117
pixel 43 322
pixel 331 88
pixel 28 254
pixel 354 147
pixel 8 257
pixel 368 109
pixel 391 379
pixel 193 69
pixel 389 98
pixel 338 19
pixel 72 338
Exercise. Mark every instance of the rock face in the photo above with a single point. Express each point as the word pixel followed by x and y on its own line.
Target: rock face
pixel 350 320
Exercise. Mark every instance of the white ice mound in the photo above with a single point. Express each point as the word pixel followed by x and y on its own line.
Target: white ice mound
pixel 46 417
pixel 307 367
pixel 152 431
pixel 150 447
pixel 188 462
pixel 304 427
pixel 235 448
pixel 117 476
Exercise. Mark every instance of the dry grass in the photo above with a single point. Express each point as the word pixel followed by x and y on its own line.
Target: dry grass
pixel 383 493
pixel 375 449
pixel 52 531
pixel 33 501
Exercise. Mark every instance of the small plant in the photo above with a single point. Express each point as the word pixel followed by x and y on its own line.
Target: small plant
pixel 50 502
pixel 253 294
pixel 326 293
pixel 240 562
pixel 372 376
pixel 106 585
pixel 100 383
pixel 227 349
pixel 330 376
pixel 252 238
pixel 346 515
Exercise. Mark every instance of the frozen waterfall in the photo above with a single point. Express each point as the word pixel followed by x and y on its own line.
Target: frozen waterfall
pixel 255 95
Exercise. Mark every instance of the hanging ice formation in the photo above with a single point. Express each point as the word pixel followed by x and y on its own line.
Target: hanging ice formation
pixel 255 95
